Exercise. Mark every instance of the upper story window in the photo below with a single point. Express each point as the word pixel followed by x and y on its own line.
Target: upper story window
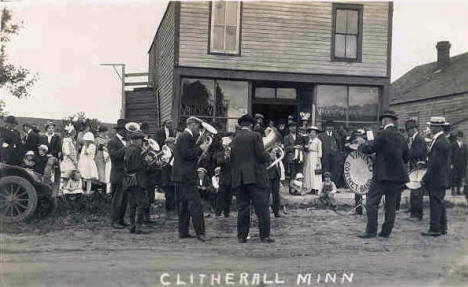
pixel 347 32
pixel 225 27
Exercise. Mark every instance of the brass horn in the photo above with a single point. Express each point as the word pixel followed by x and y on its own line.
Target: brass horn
pixel 272 143
pixel 206 135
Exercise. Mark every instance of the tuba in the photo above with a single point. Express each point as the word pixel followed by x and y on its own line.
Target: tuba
pixel 151 151
pixel 206 135
pixel 272 143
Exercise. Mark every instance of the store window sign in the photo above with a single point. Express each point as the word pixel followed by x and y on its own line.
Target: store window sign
pixel 194 109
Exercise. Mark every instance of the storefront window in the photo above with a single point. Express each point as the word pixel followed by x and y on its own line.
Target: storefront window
pixel 286 93
pixel 214 101
pixel 197 98
pixel 354 106
pixel 331 103
pixel 363 104
pixel 265 93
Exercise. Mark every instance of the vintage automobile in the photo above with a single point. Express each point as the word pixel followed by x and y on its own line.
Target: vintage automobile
pixel 24 194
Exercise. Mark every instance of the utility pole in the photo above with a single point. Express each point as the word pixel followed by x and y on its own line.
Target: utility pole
pixel 122 80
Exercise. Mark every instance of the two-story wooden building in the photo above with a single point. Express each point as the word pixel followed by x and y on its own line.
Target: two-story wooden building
pixel 219 60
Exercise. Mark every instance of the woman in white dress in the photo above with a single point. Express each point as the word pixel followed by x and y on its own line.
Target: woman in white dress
pixel 86 164
pixel 313 162
pixel 102 157
pixel 70 158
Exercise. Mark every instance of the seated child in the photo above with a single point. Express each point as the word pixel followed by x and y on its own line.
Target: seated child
pixel 207 191
pixel 41 159
pixel 327 195
pixel 295 185
pixel 28 161
pixel 74 184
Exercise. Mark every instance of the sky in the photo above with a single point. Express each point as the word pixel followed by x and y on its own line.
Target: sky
pixel 65 41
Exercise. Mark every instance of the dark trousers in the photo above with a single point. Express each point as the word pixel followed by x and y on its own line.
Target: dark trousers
pixel 150 187
pixel 416 203
pixel 330 164
pixel 358 203
pixel 438 211
pixel 190 207
pixel 391 190
pixel 398 199
pixel 169 192
pixel 137 203
pixel 245 195
pixel 224 200
pixel 274 190
pixel 119 203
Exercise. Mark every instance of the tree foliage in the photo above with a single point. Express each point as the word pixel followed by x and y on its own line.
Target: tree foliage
pixel 79 121
pixel 16 79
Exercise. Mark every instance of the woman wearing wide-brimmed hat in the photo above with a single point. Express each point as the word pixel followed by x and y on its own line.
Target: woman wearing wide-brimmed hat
pixel 312 162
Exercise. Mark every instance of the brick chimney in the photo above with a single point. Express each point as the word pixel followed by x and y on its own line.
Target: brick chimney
pixel 443 53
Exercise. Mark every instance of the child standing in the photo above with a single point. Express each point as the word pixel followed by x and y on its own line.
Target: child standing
pixel 86 164
pixel 327 195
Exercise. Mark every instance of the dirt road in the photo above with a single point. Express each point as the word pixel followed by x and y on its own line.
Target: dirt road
pixel 309 243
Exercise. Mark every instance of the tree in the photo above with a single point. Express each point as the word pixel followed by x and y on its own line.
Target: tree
pixel 16 79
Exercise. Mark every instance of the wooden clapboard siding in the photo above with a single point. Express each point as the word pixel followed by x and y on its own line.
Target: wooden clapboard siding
pixel 285 37
pixel 161 63
pixel 141 107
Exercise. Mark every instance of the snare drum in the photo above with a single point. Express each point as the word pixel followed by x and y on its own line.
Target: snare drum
pixel 415 178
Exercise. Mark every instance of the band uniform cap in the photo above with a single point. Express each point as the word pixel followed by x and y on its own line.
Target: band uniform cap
pixel 389 114
pixel 193 119
pixel 48 124
pixel 411 124
pixel 11 120
pixel 201 169
pixel 313 128
pixel 88 136
pixel 120 124
pixel 30 152
pixel 218 168
pixel 259 116
pixel 43 147
pixel 299 175
pixel 246 119
pixel 437 121
pixel 290 117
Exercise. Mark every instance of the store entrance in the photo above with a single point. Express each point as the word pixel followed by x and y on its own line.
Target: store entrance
pixel 275 112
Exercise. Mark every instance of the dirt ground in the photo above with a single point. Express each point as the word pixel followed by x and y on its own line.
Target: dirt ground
pixel 315 242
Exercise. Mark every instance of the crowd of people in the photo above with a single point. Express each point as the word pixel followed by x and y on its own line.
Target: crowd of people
pixel 199 178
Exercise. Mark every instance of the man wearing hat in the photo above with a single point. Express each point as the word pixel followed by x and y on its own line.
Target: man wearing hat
pixel 152 177
pixel 32 139
pixel 249 179
pixel 437 178
pixel 184 173
pixel 135 181
pixel 117 148
pixel 289 148
pixel 10 140
pixel 391 159
pixel 165 181
pixel 259 125
pixel 417 158
pixel 207 191
pixel 459 162
pixel 330 151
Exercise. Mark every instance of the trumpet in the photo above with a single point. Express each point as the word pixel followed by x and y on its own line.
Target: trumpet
pixel 206 136
pixel 151 151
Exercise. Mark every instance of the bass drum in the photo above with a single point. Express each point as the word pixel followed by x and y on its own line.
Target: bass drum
pixel 415 178
pixel 358 169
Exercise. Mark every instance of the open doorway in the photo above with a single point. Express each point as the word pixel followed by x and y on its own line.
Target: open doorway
pixel 275 112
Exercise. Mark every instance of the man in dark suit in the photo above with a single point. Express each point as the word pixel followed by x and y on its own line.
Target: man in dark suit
pixel 289 143
pixel 10 140
pixel 459 162
pixel 165 132
pixel 117 148
pixel 152 177
pixel 31 140
pixel 417 158
pixel 437 177
pixel 207 191
pixel 222 159
pixel 249 179
pixel 134 183
pixel 330 151
pixel 54 145
pixel 184 173
pixel 391 173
